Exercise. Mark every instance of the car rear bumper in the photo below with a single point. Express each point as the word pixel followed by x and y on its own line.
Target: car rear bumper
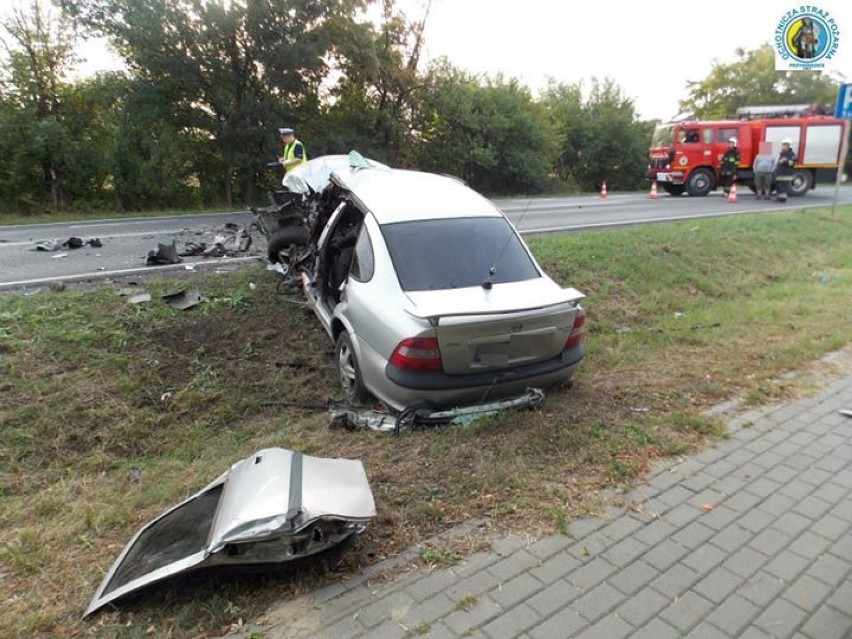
pixel 400 389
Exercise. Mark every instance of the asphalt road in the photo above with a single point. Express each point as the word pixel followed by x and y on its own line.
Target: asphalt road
pixel 126 242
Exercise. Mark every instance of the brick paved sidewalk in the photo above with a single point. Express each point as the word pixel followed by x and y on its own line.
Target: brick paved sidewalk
pixel 772 558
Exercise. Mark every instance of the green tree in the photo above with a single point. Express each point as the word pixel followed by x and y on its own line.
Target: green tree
pixel 752 80
pixel 599 137
pixel 38 43
pixel 372 105
pixel 227 72
pixel 489 132
pixel 153 164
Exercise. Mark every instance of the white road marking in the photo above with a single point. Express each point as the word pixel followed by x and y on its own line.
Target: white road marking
pixel 99 275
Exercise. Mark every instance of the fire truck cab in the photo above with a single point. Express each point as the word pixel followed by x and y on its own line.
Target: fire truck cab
pixel 685 156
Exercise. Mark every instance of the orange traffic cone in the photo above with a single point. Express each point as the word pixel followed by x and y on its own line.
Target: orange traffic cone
pixel 603 190
pixel 653 195
pixel 732 194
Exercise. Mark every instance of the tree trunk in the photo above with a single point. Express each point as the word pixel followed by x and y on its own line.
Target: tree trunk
pixel 228 194
pixel 248 189
pixel 56 189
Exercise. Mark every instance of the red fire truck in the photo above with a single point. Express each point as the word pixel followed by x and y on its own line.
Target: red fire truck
pixel 685 155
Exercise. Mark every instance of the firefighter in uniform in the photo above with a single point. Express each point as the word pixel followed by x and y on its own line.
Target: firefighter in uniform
pixel 294 151
pixel 784 169
pixel 805 40
pixel 730 163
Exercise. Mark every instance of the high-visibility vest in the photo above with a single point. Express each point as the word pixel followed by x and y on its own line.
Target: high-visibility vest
pixel 290 154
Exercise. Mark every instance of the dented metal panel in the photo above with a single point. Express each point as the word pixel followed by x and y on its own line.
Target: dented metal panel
pixel 272 507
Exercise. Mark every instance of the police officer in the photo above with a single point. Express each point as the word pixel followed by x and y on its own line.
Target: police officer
pixel 730 163
pixel 784 169
pixel 294 151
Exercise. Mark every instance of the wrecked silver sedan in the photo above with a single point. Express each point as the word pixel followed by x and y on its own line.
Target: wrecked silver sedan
pixel 427 290
pixel 273 507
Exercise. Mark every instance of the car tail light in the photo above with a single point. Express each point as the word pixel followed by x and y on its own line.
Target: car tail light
pixel 417 354
pixel 577 331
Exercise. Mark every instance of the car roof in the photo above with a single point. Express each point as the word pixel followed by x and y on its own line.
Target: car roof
pixel 397 195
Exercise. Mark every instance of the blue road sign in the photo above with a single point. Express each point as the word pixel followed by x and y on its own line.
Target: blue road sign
pixel 844 102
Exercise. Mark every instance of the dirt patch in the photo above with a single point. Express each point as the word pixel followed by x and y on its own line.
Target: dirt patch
pixel 248 347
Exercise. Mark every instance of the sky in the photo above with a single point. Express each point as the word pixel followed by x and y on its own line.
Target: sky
pixel 650 52
pixel 650 49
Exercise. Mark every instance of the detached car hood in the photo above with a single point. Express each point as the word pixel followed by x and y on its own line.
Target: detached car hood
pixel 500 299
pixel 275 506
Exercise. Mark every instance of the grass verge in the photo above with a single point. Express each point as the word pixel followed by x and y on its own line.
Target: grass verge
pixel 110 413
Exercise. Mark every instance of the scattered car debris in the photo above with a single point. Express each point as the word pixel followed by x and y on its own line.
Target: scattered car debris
pixel 140 298
pixel 236 239
pixel 165 254
pixel 183 300
pixel 191 249
pixel 414 416
pixel 48 245
pixel 273 507
pixel 70 243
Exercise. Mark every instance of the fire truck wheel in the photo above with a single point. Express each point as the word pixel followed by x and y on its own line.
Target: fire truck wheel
pixel 801 183
pixel 700 182
pixel 674 189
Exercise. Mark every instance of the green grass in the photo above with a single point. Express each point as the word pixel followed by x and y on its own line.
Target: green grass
pixel 110 413
pixel 467 602
pixel 439 557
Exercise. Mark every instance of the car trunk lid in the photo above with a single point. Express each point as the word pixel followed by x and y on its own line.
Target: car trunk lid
pixel 509 325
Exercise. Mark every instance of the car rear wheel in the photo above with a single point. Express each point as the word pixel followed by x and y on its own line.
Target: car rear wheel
pixel 349 371
pixel 700 182
pixel 282 240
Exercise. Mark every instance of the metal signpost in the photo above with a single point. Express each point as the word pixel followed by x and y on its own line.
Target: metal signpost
pixel 843 110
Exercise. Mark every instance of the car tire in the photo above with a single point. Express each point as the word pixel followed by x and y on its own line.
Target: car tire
pixel 281 241
pixel 700 182
pixel 674 189
pixel 349 371
pixel 800 184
